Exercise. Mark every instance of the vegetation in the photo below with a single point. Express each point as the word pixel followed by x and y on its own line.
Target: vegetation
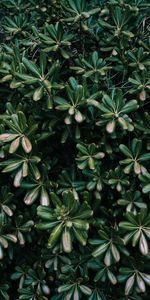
pixel 75 150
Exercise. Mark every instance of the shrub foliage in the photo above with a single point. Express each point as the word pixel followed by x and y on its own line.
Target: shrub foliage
pixel 75 150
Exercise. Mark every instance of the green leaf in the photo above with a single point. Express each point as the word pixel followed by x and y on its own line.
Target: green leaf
pixel 26 144
pixel 85 290
pixel 66 240
pixel 129 284
pixel 31 67
pixel 125 150
pixel 80 236
pixel 100 250
pixel 31 196
pixel 56 232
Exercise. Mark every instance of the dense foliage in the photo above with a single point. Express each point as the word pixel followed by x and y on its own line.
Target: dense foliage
pixel 75 149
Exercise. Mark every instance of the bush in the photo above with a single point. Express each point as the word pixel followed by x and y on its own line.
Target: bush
pixel 75 150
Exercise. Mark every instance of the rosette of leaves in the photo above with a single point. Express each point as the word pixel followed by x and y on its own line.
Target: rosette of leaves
pixel 76 11
pixel 21 166
pixel 117 25
pixel 132 201
pixel 138 228
pixel 42 79
pixel 94 68
pixel 114 111
pixel 56 259
pixel 138 59
pixel 72 106
pixel 67 182
pixel 37 280
pixel 103 273
pixel 38 188
pixel 134 158
pixel 117 179
pixel 140 84
pixel 18 133
pixel 55 39
pixel 18 25
pixel 22 229
pixel 109 246
pixel 134 279
pixel 88 156
pixel 74 282
pixel 68 221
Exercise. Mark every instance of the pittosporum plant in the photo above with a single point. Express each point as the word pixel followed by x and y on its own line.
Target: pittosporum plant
pixel 74 150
